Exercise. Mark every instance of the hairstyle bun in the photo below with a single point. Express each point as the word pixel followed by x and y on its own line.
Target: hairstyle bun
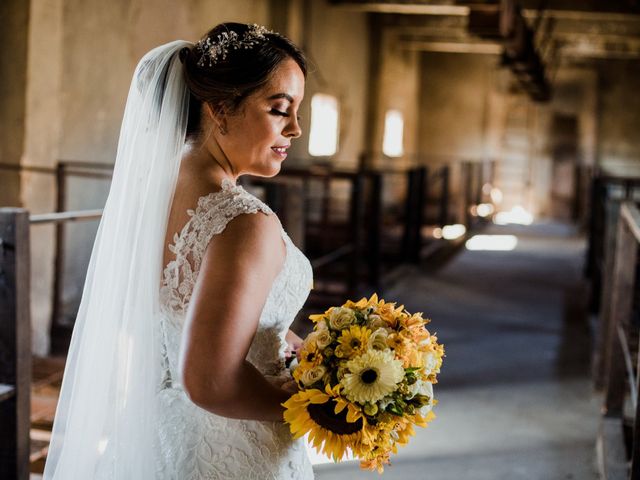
pixel 184 53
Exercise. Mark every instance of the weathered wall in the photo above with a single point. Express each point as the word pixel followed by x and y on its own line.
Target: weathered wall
pixel 457 102
pixel 41 148
pixel 454 105
pixel 396 86
pixel 619 113
pixel 14 15
pixel 336 44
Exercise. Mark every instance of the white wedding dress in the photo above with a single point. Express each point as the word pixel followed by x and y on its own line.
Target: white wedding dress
pixel 194 444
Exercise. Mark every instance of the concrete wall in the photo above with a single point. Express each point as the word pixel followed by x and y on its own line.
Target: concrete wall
pixel 14 15
pixel 619 112
pixel 395 76
pixel 454 105
pixel 336 44
pixel 458 100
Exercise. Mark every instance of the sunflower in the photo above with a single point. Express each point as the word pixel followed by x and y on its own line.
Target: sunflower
pixel 353 341
pixel 333 425
pixel 371 376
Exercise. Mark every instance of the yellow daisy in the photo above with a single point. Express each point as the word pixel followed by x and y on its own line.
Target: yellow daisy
pixel 372 375
pixel 353 341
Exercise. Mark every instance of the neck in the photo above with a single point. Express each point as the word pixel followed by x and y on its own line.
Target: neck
pixel 207 160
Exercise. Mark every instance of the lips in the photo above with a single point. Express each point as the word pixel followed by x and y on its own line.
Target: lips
pixel 281 150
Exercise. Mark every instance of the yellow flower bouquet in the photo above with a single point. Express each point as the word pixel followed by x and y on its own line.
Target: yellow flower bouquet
pixel 366 376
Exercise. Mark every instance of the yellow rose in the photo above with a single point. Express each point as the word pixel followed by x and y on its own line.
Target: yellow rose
pixel 321 325
pixel 378 339
pixel 375 321
pixel 313 375
pixel 323 339
pixel 341 317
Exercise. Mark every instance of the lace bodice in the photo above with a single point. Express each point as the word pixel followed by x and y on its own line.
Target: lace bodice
pixel 196 444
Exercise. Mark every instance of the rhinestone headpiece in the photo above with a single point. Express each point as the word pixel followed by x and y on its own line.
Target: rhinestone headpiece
pixel 214 51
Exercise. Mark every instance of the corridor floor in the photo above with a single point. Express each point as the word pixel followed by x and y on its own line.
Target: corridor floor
pixel 516 400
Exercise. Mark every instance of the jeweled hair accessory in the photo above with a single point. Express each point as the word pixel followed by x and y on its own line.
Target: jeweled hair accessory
pixel 214 51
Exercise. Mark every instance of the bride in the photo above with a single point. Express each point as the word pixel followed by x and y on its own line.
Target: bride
pixel 176 368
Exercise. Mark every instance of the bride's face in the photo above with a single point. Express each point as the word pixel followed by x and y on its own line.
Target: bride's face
pixel 258 136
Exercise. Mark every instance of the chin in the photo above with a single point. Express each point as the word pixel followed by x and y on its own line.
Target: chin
pixel 273 170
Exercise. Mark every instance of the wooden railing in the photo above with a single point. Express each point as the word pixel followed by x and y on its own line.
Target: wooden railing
pixel 619 438
pixel 608 193
pixel 63 170
pixel 15 334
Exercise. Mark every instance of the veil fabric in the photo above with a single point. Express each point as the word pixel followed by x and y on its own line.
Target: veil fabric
pixel 105 419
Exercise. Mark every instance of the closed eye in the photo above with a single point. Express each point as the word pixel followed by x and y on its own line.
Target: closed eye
pixel 278 112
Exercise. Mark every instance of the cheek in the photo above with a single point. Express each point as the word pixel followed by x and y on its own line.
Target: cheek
pixel 263 134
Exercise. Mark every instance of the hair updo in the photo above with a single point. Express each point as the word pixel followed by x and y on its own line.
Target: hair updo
pixel 229 81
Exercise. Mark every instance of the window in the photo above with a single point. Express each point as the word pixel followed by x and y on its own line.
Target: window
pixel 323 137
pixel 393 130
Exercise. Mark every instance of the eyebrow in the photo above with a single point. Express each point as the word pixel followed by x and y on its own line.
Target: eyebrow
pixel 281 95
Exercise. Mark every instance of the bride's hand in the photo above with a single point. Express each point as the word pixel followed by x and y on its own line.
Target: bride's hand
pixel 294 344
pixel 290 386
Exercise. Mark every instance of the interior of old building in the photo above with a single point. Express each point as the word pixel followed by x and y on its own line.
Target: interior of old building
pixel 477 161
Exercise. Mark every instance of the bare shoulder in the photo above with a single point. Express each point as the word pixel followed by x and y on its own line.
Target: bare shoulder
pixel 250 241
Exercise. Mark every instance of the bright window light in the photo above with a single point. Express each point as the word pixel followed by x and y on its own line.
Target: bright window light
pixel 323 137
pixel 393 131
pixel 517 215
pixel 494 243
pixel 451 232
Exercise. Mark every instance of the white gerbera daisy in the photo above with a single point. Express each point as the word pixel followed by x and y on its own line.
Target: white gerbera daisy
pixel 371 376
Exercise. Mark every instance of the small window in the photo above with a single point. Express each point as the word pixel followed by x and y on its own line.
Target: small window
pixel 393 131
pixel 323 137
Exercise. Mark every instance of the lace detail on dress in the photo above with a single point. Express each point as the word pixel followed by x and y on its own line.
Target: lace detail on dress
pixel 210 217
pixel 194 444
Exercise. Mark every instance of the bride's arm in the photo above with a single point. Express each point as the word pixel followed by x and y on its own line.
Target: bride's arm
pixel 237 271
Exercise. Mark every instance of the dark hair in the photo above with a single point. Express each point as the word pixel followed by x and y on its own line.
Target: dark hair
pixel 229 81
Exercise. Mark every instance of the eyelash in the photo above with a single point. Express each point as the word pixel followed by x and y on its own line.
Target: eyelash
pixel 283 114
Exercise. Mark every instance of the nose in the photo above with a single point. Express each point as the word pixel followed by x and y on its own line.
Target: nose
pixel 293 129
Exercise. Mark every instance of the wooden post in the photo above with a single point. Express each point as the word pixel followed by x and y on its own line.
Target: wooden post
pixel 603 342
pixel 444 197
pixel 409 217
pixel 57 331
pixel 356 224
pixel 418 220
pixel 15 344
pixel 375 228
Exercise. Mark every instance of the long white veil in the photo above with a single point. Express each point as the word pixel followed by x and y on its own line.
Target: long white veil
pixel 104 425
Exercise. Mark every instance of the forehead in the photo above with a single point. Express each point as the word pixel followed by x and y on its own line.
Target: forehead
pixel 286 78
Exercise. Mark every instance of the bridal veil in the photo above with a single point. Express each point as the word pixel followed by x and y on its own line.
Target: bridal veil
pixel 105 419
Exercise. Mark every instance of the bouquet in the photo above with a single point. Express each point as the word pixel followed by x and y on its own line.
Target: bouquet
pixel 366 376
